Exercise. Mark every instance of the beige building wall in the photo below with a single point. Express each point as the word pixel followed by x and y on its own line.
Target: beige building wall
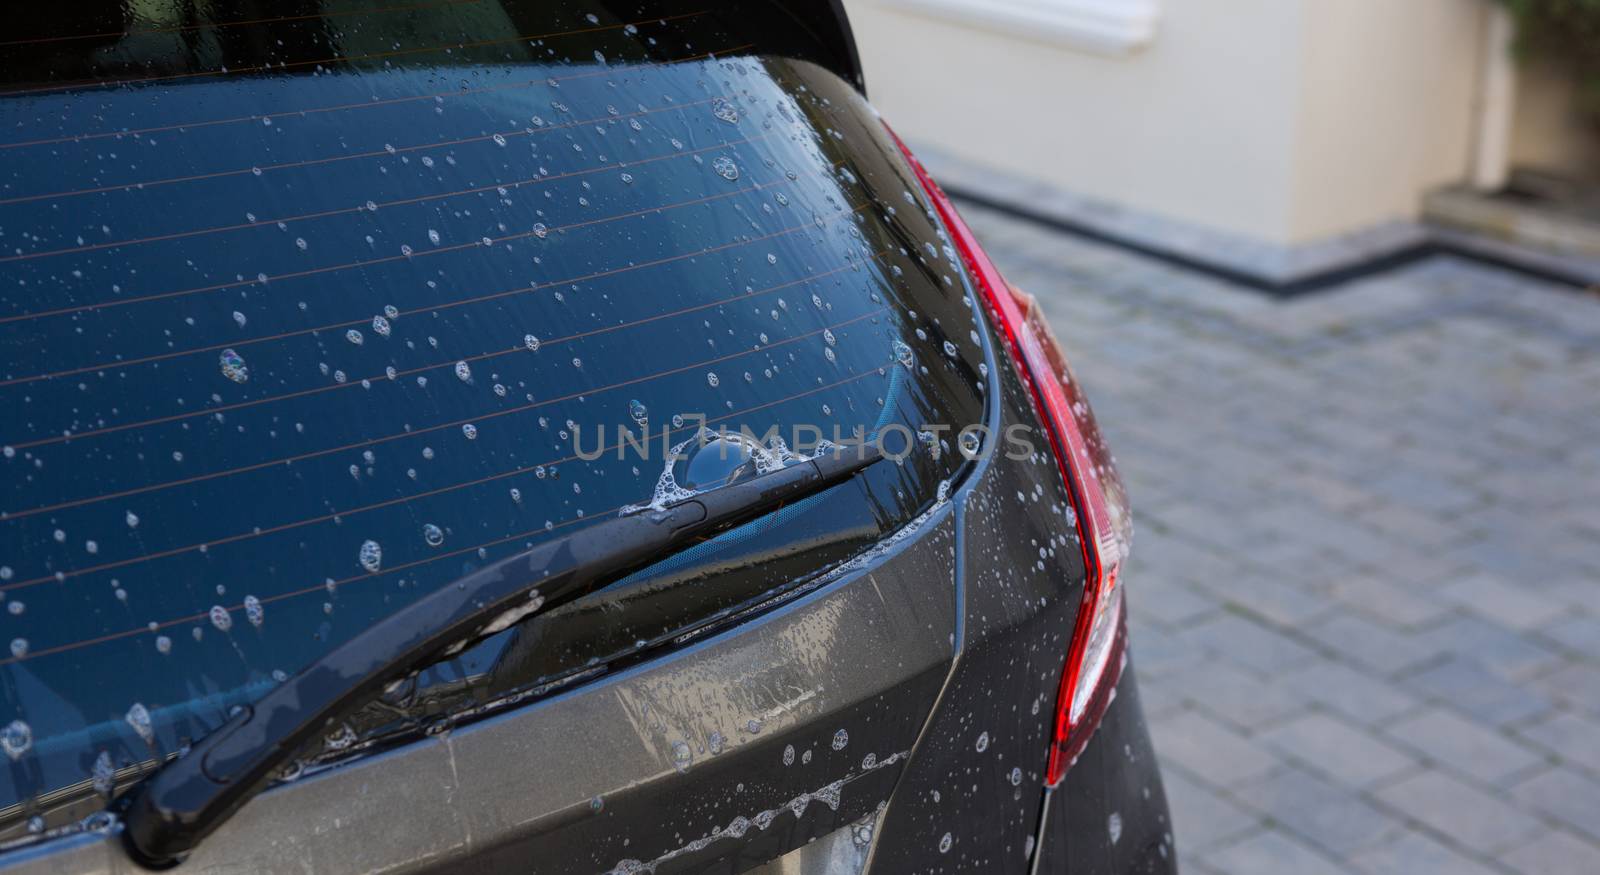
pixel 1284 121
pixel 1388 94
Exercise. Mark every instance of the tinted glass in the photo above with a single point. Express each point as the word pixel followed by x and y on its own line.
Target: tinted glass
pixel 303 316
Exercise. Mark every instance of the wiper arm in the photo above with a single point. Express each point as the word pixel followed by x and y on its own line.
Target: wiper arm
pixel 168 814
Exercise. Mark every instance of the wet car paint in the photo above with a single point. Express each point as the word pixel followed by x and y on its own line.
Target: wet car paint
pixel 935 675
pixel 940 661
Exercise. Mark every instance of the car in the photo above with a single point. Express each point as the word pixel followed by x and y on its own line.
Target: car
pixel 508 436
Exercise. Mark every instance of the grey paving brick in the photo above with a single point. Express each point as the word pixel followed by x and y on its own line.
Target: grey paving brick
pixel 1511 605
pixel 1394 604
pixel 1210 750
pixel 1580 632
pixel 1565 795
pixel 1237 696
pixel 1339 751
pixel 1159 696
pixel 1575 684
pixel 1414 853
pixel 1410 526
pixel 1478 693
pixel 1160 653
pixel 1248 643
pixel 1353 694
pixel 1164 599
pixel 1364 642
pixel 1425 492
pixel 1465 747
pixel 1581 590
pixel 1467 815
pixel 1270 853
pixel 1501 650
pixel 1572 737
pixel 1201 818
pixel 1336 819
pixel 1275 599
pixel 1555 853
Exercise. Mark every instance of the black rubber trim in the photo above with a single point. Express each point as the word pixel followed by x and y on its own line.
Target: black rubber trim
pixel 1282 289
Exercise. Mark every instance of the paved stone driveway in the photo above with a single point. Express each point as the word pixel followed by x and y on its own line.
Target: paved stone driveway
pixel 1365 586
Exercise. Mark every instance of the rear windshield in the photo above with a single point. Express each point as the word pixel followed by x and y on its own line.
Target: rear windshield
pixel 304 316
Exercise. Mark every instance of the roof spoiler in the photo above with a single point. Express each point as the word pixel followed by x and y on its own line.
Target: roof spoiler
pixel 827 22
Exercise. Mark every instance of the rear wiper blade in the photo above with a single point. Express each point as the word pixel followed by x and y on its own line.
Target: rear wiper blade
pixel 168 813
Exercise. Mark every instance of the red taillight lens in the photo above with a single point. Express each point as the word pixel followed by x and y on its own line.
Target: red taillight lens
pixel 1094 657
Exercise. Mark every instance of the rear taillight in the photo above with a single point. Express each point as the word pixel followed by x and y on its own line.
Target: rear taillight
pixel 1095 653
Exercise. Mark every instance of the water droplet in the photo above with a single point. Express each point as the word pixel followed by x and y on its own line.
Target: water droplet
pixel 840 739
pixel 463 372
pixel 163 644
pixel 725 167
pixel 681 755
pixel 945 841
pixel 370 556
pixel 788 755
pixel 470 430
pixel 103 774
pixel 637 410
pixel 724 109
pixel 983 742
pixel 1114 827
pixel 433 535
pixel 540 231
pixel 354 337
pixel 712 379
pixel 19 647
pixel 253 611
pixel 139 718
pixel 221 618
pixel 341 738
pixel 233 366
pixel 380 326
pixel 16 739
pixel 1016 777
pixel 531 342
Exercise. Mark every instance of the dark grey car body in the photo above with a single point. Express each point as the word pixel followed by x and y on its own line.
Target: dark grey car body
pixel 893 715
pixel 954 635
